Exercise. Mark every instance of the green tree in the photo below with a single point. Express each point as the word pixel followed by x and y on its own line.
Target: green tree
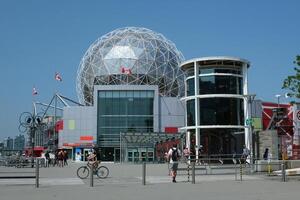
pixel 292 83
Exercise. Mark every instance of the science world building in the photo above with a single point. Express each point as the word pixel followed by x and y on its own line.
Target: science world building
pixel 217 102
pixel 131 84
pixel 140 96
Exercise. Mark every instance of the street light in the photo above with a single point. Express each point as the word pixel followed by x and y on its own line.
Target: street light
pixel 30 123
pixel 278 98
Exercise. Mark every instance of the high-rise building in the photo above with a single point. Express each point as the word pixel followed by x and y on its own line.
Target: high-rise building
pixel 8 143
pixel 19 142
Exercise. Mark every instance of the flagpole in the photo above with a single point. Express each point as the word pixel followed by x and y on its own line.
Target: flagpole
pixel 57 78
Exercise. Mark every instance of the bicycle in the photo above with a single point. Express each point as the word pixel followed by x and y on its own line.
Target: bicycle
pixel 84 171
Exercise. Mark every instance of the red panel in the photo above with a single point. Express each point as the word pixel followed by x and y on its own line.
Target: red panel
pixel 39 148
pixel 86 137
pixel 171 129
pixel 59 125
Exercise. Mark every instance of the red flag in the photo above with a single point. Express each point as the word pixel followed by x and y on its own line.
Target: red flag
pixel 58 77
pixel 125 70
pixel 34 91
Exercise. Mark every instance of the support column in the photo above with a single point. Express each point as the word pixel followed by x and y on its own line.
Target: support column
pixel 246 107
pixel 197 109
pixel 188 140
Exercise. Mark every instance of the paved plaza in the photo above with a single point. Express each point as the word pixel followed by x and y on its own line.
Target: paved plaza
pixel 125 182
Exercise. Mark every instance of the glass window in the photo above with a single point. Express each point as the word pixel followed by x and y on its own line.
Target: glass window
pixel 220 85
pixel 136 94
pixel 150 94
pixel 108 94
pixel 122 94
pixel 116 94
pixel 129 93
pixel 190 72
pixel 222 141
pixel 190 112
pixel 101 94
pixel 190 87
pixel 210 70
pixel 143 94
pixel 221 111
pixel 124 111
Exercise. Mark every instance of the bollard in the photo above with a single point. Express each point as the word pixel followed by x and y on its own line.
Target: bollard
pixel 235 168
pixel 283 172
pixel 92 175
pixel 37 173
pixel 241 171
pixel 144 174
pixel 193 173
pixel 188 172
pixel 269 169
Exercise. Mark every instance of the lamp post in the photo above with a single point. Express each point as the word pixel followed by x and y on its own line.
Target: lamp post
pixel 31 123
pixel 278 98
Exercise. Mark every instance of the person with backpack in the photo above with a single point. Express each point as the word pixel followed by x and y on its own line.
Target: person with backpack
pixel 173 156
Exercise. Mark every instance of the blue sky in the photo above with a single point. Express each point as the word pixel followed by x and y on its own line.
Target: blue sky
pixel 38 38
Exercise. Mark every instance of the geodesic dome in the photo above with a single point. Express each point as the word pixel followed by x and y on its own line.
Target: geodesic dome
pixel 130 56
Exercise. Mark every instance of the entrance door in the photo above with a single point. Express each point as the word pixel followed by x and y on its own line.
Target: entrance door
pixel 86 153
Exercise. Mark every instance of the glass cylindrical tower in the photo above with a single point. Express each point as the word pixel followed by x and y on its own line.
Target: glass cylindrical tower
pixel 217 104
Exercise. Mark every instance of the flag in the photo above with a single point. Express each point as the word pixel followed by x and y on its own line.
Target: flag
pixel 34 91
pixel 58 77
pixel 125 70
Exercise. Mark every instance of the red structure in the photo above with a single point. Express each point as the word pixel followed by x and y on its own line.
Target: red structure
pixel 279 117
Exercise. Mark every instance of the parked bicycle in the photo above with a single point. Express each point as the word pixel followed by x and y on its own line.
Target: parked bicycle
pixel 84 171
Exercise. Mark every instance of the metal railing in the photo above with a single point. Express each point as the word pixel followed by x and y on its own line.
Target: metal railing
pixel 23 174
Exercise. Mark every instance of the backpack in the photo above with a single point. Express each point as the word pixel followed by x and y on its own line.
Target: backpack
pixel 175 155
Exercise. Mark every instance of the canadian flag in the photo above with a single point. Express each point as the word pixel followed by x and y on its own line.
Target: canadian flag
pixel 34 91
pixel 58 77
pixel 125 70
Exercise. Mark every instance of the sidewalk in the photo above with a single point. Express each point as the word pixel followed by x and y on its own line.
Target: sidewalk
pixel 124 182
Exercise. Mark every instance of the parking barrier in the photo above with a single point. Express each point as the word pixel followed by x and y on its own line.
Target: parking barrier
pixel 91 175
pixel 144 173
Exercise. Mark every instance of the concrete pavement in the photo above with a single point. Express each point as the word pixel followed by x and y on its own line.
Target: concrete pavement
pixel 124 182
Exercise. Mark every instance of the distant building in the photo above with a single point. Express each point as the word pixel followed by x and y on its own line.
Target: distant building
pixel 19 142
pixel 1 146
pixel 8 143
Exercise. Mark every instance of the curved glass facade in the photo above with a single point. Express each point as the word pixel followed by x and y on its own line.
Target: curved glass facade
pixel 218 102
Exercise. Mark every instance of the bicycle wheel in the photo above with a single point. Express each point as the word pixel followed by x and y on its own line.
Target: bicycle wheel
pixel 102 172
pixel 83 172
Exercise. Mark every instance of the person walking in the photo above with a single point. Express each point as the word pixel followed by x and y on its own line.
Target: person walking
pixel 47 156
pixel 186 154
pixel 246 153
pixel 173 156
pixel 266 154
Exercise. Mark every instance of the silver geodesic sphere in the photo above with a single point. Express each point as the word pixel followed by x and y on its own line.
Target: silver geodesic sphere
pixel 130 56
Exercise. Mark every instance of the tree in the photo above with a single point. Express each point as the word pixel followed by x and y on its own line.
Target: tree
pixel 292 83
